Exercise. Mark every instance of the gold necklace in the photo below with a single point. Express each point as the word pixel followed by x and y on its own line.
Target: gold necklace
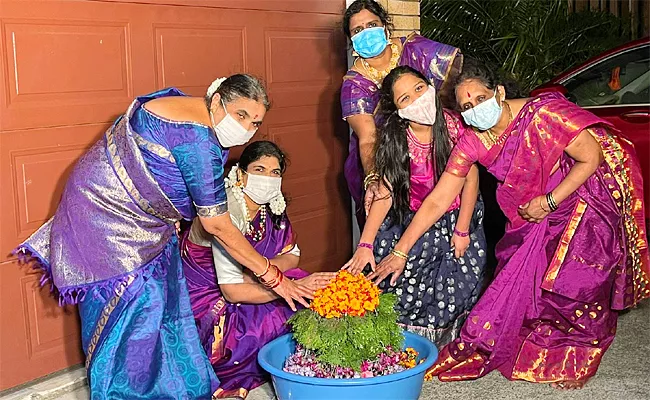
pixel 378 76
pixel 494 137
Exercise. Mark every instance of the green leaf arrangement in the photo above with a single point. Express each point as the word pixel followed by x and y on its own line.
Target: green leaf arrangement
pixel 348 341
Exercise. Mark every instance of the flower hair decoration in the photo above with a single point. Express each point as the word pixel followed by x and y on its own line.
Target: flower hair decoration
pixel 214 86
pixel 277 205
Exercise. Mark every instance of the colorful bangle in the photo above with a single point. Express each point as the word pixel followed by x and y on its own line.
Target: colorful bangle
pixel 400 254
pixel 264 280
pixel 275 281
pixel 366 246
pixel 551 201
pixel 268 265
pixel 460 233
pixel 278 282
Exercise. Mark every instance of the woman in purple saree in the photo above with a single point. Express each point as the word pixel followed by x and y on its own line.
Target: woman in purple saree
pixel 367 24
pixel 111 246
pixel 236 316
pixel 575 249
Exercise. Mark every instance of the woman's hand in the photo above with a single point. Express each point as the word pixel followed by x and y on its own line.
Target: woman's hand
pixel 535 210
pixel 391 265
pixel 290 291
pixel 177 225
pixel 362 257
pixel 317 280
pixel 459 244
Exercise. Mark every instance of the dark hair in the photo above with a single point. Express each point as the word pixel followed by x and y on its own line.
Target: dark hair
pixel 263 148
pixel 480 71
pixel 241 86
pixel 370 5
pixel 392 153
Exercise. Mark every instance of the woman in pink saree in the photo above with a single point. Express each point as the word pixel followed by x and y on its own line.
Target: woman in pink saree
pixel 575 249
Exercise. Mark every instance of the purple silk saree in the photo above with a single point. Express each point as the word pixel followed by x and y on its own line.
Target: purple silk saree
pixel 549 316
pixel 233 334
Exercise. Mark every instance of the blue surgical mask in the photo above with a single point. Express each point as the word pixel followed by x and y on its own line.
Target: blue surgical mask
pixel 485 115
pixel 370 42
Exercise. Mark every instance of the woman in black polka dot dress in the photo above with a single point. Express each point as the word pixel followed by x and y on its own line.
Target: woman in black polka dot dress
pixel 444 271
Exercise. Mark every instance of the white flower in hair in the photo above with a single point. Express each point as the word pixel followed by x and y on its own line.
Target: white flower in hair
pixel 278 205
pixel 231 180
pixel 214 86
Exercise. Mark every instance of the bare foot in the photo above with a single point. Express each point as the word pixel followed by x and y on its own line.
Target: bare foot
pixel 568 385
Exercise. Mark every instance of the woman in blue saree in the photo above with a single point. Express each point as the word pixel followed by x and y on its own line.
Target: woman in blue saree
pixel 112 248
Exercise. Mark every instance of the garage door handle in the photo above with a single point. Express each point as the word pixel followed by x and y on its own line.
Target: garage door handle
pixel 636 116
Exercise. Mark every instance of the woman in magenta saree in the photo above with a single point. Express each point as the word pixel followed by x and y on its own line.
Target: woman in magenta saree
pixel 236 316
pixel 360 88
pixel 575 249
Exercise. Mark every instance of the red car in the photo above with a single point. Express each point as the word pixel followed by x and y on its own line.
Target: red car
pixel 615 86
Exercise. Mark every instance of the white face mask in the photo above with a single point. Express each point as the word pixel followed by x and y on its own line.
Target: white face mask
pixel 262 189
pixel 230 132
pixel 422 110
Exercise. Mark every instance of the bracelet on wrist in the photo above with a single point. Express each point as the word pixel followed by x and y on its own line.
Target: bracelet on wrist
pixel 268 265
pixel 551 201
pixel 400 254
pixel 461 233
pixel 370 178
pixel 366 246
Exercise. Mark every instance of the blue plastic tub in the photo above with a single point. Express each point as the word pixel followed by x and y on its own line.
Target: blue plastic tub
pixel 405 385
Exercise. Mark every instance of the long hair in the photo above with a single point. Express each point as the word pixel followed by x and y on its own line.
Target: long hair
pixel 392 159
pixel 263 148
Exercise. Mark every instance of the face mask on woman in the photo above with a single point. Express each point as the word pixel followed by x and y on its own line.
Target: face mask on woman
pixel 262 189
pixel 485 115
pixel 422 110
pixel 370 42
pixel 230 132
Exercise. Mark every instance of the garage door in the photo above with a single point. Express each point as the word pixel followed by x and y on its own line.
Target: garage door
pixel 68 68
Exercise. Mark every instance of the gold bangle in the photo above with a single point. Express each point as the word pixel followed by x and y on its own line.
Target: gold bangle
pixel 369 180
pixel 400 254
pixel 268 265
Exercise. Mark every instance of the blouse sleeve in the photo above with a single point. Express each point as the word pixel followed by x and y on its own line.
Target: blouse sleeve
pixel 201 161
pixel 357 98
pixel 228 270
pixel 463 155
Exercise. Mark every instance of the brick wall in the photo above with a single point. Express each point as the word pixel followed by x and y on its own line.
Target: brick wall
pixel 405 13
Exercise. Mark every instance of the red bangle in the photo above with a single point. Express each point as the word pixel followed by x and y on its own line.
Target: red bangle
pixel 366 246
pixel 461 234
pixel 278 282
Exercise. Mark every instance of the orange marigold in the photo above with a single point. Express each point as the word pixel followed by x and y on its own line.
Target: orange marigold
pixel 347 294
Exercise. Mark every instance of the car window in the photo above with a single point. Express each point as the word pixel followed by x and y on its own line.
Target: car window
pixel 621 79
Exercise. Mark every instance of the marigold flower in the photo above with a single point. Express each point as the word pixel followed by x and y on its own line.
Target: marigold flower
pixel 347 294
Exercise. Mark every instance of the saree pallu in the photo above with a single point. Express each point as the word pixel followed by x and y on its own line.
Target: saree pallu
pixel 436 291
pixel 233 334
pixel 549 315
pixel 111 248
